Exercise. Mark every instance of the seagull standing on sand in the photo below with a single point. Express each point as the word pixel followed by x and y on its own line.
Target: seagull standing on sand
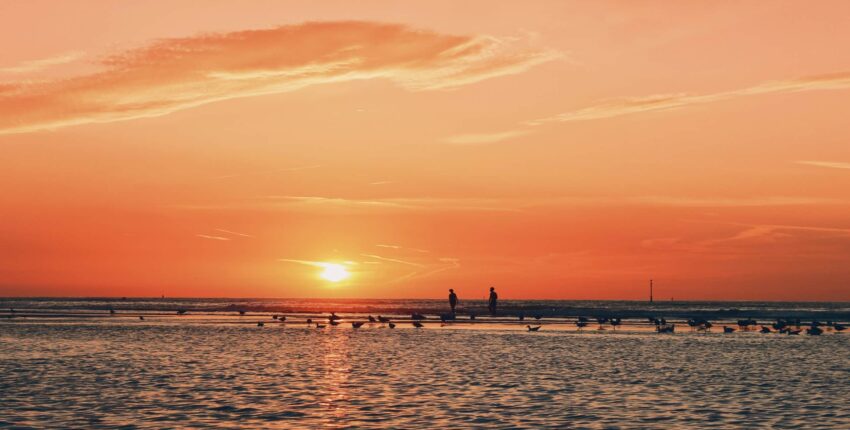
pixel 357 324
pixel 417 324
pixel 536 328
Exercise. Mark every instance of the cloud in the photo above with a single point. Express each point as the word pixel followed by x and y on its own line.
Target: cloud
pixel 44 63
pixel 399 247
pixel 472 139
pixel 828 164
pixel 659 102
pixel 392 260
pixel 174 74
pixel 732 202
pixel 221 230
pixel 205 236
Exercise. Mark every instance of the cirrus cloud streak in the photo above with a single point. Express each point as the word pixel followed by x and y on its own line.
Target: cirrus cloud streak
pixel 174 74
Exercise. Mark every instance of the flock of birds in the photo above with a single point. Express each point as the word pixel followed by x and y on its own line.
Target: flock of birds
pixel 780 326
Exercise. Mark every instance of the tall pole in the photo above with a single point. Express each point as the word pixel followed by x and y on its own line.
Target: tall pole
pixel 650 291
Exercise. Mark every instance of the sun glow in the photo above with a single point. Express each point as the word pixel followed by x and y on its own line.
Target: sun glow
pixel 334 272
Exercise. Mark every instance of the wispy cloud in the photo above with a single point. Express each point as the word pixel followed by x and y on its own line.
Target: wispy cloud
pixel 473 139
pixel 827 164
pixel 33 66
pixel 174 74
pixel 206 236
pixel 732 202
pixel 659 102
pixel 392 260
pixel 221 230
pixel 399 247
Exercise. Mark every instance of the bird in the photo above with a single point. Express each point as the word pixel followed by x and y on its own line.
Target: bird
pixel 417 324
pixel 383 319
pixel 281 318
pixel 728 329
pixel 260 324
pixel 615 322
pixel 333 322
pixel 112 312
pixel 814 331
pixel 839 327
pixel 320 325
pixel 538 316
pixel 794 332
pixel 601 320
pixel 241 312
pixel 274 317
pixel 309 321
pixel 582 319
pixel 141 318
pixel 581 324
pixel 471 316
pixel 666 328
pixel 765 329
pixel 417 316
pixel 536 328
pixel 447 317
pixel 356 324
pixel 372 319
pixel 392 325
pixel 334 317
pixel 181 311
pixel 521 316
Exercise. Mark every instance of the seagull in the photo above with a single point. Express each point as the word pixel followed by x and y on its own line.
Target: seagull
pixel 333 322
pixel 521 316
pixel 728 329
pixel 372 319
pixel 241 312
pixel 765 329
pixel 309 321
pixel 334 317
pixel 260 324
pixel 416 316
pixel 181 311
pixel 839 327
pixel 383 319
pixel 581 324
pixel 536 328
pixel 356 324
pixel 417 324
pixel 814 331
pixel 392 325
pixel 141 318
pixel 281 318
pixel 274 317
pixel 615 322
pixel 320 325
pixel 112 312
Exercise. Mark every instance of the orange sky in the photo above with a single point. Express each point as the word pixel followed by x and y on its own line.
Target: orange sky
pixel 551 149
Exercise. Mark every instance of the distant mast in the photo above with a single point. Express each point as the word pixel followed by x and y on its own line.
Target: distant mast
pixel 650 291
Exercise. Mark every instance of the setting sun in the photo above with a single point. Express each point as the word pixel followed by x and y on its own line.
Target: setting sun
pixel 334 272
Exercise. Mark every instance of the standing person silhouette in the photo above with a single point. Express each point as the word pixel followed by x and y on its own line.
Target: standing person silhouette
pixel 452 299
pixel 491 304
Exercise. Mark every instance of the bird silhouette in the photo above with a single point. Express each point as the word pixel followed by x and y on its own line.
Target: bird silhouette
pixel 333 322
pixel 357 324
pixel 392 325
pixel 728 329
pixel 320 325
pixel 536 328
pixel 417 324
pixel 372 319
pixel 416 316
pixel 141 318
pixel 383 319
pixel 260 324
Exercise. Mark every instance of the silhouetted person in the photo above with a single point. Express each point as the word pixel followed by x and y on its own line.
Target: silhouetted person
pixel 452 299
pixel 491 303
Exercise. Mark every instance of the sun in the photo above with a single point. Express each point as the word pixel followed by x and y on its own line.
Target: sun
pixel 334 272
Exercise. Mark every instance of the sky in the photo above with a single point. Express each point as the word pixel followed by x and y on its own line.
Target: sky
pixel 562 149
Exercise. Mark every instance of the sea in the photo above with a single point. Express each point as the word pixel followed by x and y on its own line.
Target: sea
pixel 263 363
